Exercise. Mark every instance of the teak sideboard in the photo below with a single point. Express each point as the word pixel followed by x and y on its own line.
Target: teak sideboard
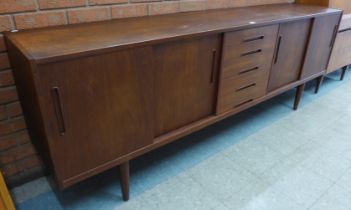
pixel 100 94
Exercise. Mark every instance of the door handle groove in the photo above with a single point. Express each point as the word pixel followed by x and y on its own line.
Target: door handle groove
pixel 251 52
pixel 242 103
pixel 254 38
pixel 245 87
pixel 58 110
pixel 345 30
pixel 278 49
pixel 248 70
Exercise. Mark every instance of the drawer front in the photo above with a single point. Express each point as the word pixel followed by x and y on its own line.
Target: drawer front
pixel 236 91
pixel 247 49
pixel 246 62
pixel 251 92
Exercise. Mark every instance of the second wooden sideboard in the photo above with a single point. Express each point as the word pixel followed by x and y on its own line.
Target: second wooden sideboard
pixel 100 94
pixel 341 55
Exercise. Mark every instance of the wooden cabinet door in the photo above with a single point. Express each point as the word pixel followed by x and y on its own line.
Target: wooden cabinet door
pixel 321 42
pixel 290 52
pixel 185 82
pixel 97 108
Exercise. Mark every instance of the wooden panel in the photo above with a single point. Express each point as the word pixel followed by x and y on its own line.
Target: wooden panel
pixel 341 55
pixel 246 61
pixel 57 43
pixel 96 109
pixel 292 41
pixel 185 82
pixel 28 95
pixel 324 31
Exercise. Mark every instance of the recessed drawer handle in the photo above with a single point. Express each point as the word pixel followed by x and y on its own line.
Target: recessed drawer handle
pixel 335 33
pixel 245 87
pixel 254 38
pixel 277 50
pixel 345 30
pixel 248 70
pixel 245 102
pixel 58 110
pixel 251 52
pixel 214 65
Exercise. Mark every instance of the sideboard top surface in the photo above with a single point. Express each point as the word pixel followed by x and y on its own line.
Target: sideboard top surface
pixel 62 42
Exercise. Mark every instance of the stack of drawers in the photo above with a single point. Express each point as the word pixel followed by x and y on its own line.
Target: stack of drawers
pixel 246 63
pixel 341 55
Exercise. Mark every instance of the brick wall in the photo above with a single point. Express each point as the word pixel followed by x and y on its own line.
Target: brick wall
pixel 18 159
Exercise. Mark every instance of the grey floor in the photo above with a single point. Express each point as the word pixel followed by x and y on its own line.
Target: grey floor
pixel 286 160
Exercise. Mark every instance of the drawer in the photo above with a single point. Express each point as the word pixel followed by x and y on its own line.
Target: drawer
pixel 235 96
pixel 246 67
pixel 236 91
pixel 236 83
pixel 246 63
pixel 248 49
pixel 240 43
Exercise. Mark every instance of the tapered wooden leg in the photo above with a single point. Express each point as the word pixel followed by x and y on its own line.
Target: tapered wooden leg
pixel 343 72
pixel 298 95
pixel 319 82
pixel 124 179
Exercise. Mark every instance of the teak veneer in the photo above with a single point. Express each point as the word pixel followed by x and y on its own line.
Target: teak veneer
pixel 341 54
pixel 100 94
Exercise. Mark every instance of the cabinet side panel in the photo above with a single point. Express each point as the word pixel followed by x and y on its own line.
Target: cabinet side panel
pixel 24 75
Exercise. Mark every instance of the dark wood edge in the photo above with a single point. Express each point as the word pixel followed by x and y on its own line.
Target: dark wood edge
pixel 9 42
pixel 24 89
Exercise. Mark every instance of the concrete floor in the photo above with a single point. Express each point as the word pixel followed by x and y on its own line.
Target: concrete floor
pixel 268 157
